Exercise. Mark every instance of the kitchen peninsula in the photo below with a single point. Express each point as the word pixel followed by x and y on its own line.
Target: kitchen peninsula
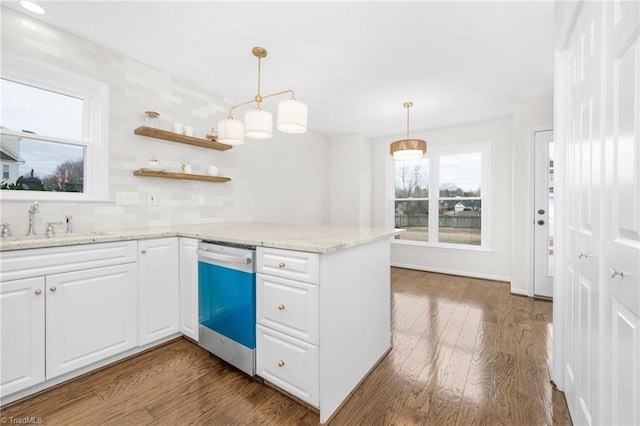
pixel 345 329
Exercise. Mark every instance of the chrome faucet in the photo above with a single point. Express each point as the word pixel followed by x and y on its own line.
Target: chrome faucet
pixel 33 210
pixel 50 229
pixel 68 220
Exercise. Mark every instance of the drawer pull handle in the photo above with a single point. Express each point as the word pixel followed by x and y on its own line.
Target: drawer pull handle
pixel 281 363
pixel 281 265
pixel 38 291
pixel 281 307
pixel 143 251
pixel 53 288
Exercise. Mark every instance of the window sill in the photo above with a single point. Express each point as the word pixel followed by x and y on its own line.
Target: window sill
pixel 456 248
pixel 69 197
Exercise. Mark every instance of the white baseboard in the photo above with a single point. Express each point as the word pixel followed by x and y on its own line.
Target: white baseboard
pixel 454 272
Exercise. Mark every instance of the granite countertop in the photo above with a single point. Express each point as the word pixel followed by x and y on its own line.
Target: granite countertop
pixel 309 238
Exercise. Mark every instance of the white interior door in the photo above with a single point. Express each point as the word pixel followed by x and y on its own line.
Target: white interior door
pixel 621 230
pixel 580 271
pixel 543 269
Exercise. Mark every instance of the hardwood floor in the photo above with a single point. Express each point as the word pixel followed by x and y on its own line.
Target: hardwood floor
pixel 465 351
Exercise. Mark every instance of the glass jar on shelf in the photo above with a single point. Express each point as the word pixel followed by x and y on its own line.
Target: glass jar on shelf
pixel 152 119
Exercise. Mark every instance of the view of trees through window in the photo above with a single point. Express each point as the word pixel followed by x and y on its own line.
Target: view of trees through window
pixel 412 199
pixel 455 203
pixel 42 147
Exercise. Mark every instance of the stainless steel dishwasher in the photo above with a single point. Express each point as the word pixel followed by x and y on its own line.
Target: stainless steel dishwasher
pixel 226 302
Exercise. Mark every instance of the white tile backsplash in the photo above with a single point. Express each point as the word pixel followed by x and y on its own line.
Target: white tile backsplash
pixel 134 88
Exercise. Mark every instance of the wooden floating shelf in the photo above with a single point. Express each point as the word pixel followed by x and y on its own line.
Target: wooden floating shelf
pixel 185 176
pixel 176 137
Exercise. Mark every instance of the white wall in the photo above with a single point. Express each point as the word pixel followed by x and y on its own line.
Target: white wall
pixel 351 181
pixel 527 118
pixel 281 179
pixel 492 264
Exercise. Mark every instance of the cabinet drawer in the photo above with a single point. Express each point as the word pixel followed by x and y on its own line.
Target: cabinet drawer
pixel 288 306
pixel 295 265
pixel 288 363
pixel 21 264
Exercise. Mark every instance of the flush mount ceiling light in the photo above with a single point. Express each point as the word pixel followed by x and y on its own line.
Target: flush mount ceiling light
pixel 32 7
pixel 258 123
pixel 408 149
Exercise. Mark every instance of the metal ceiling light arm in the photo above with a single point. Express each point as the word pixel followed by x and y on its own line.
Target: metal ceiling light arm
pixel 407 105
pixel 292 115
pixel 408 149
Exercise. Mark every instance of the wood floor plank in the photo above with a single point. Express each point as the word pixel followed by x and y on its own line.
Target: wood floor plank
pixel 465 352
pixel 476 402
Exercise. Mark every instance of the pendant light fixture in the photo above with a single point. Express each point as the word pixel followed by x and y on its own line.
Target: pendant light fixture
pixel 258 123
pixel 408 149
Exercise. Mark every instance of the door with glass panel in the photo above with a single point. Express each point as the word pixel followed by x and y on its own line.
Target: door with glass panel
pixel 543 204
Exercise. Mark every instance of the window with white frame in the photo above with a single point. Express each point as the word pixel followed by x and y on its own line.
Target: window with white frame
pixel 441 199
pixel 54 139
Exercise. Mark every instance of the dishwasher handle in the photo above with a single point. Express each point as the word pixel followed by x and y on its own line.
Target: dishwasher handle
pixel 243 260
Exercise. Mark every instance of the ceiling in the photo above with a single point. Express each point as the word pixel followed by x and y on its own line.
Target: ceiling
pixel 354 63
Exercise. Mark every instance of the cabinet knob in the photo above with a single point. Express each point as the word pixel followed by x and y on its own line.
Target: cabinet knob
pixel 281 265
pixel 281 307
pixel 53 288
pixel 281 363
pixel 143 251
pixel 38 291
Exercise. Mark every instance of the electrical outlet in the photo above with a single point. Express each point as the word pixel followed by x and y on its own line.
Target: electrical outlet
pixel 127 198
pixel 152 199
pixel 220 200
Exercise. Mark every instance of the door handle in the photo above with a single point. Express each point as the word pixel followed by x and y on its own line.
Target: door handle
pixel 614 273
pixel 541 222
pixel 223 257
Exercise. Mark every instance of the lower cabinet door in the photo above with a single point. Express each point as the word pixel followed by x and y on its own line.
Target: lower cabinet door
pixel 288 363
pixel 158 279
pixel 90 315
pixel 288 306
pixel 189 287
pixel 21 334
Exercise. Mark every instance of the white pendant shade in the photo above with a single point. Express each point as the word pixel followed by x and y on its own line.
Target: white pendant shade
pixel 408 154
pixel 230 131
pixel 292 116
pixel 258 124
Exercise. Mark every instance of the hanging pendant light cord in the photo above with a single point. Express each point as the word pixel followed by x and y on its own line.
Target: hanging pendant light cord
pixel 258 98
pixel 408 105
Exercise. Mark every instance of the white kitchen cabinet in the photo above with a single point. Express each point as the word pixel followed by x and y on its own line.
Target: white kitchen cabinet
pixel 287 318
pixel 288 363
pixel 90 316
pixel 158 282
pixel 22 330
pixel 189 287
pixel 323 320
pixel 288 306
pixel 296 265
pixel 64 308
